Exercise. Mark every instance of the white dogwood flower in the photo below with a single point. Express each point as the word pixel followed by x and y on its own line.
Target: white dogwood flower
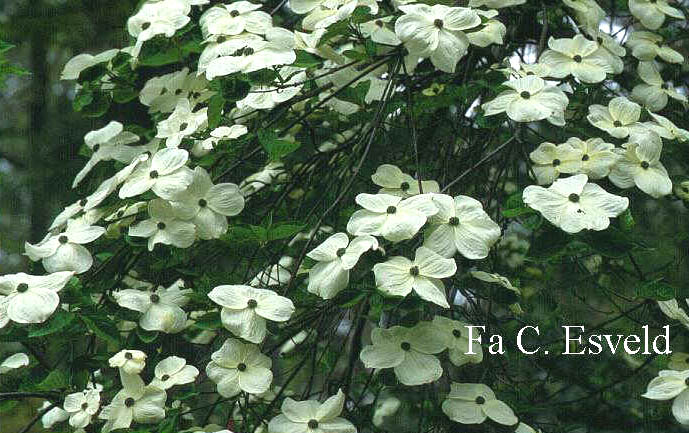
pixel 587 12
pixel 165 174
pixel 30 298
pixel 528 100
pixel 65 251
pixel 379 32
pixel 596 156
pixel 173 371
pixel 666 129
pixel 163 17
pixel 335 257
pixel 81 407
pixel 646 46
pixel 182 123
pixel 473 403
pixel 233 19
pixel 164 227
pixel 208 205
pixel 652 13
pixel 436 32
pixel 81 62
pixel 456 338
pixel 654 92
pixel 245 310
pixel 579 57
pixel 492 31
pixel 312 416
pixel 461 225
pixel 619 118
pixel 573 204
pixel 13 362
pixel 670 385
pixel 162 94
pixel 134 403
pixel 409 351
pixel 131 362
pixel 394 181
pixel 549 160
pixel 203 147
pixel 640 165
pixel 161 309
pixel 391 217
pixel 237 367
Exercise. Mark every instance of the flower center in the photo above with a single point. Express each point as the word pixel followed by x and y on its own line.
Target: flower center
pixel 63 239
pixel 144 26
pixel 457 333
pixel 645 165
pixel 129 402
pixel 453 221
pixel 153 174
pixel 525 94
pixel 414 271
pixel 241 366
pixel 234 13
pixel 438 23
pixel 616 123
pixel 96 148
pixel 22 287
pixel 248 51
pixel 183 126
pixel 404 186
pixel 161 226
pixel 178 92
pixel 84 406
pixel 391 210
pixel 556 162
pixel 83 202
pixel 155 298
pixel 379 23
pixel 120 213
pixel 340 252
pixel 221 39
pixel 128 355
pixel 405 346
pixel 203 203
pixel 600 40
pixel 165 377
pixel 585 157
pixel 574 198
pixel 480 400
pixel 251 303
pixel 664 86
pixel 577 58
pixel 313 424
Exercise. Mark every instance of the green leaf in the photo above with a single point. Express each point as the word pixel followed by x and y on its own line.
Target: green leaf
pixel 276 148
pixel 215 106
pixel 56 323
pixel 56 379
pixel 282 231
pixel 234 89
pixel 657 290
pixel 124 94
pixel 306 60
pixel 355 55
pixel 626 220
pixel 210 322
pixel 146 336
pixel 99 105
pixel 83 98
pixel 103 328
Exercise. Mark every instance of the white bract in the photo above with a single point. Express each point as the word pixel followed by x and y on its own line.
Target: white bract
pixel 81 407
pixel 164 227
pixel 550 160
pixel 13 362
pixel 165 174
pixel 461 225
pixel 473 403
pixel 182 123
pixel 395 182
pixel 619 118
pixel 409 351
pixel 399 276
pixel 30 298
pixel 436 32
pixel 670 385
pixel 173 371
pixel 335 257
pixel 65 251
pixel 646 46
pixel 131 362
pixel 579 57
pixel 379 31
pixel 134 403
pixel 208 205
pixel 237 367
pixel 203 147
pixel 163 17
pixel 654 92
pixel 312 416
pixel 456 338
pixel 163 93
pixel 162 309
pixel 391 217
pixel 530 99
pixel 640 165
pixel 573 204
pixel 652 13
pixel 81 62
pixel 245 310
pixel 233 19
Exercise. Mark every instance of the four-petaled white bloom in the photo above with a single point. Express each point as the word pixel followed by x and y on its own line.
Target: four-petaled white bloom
pixel 654 92
pixel 573 204
pixel 203 147
pixel 162 309
pixel 157 18
pixel 391 217
pixel 652 13
pixel 409 351
pixel 165 174
pixel 81 406
pixel 30 298
pixel 233 19
pixel 668 385
pixel 378 31
pixel 456 337
pixel 587 12
pixel 311 416
pixel 666 129
pixel 208 205
pixel 336 256
pixel 162 94
pixel 14 362
pixel 646 46
pixel 64 251
pixel 552 159
pixel 245 310
pixel 619 118
pixel 81 62
pixel 181 123
pixel 134 403
pixel 436 32
pixel 237 367
pixel 640 165
pixel 394 181
pixel 530 99
pixel 173 371
pixel 579 57
pixel 164 227
pixel 129 361
pixel 461 225
pixel 473 403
